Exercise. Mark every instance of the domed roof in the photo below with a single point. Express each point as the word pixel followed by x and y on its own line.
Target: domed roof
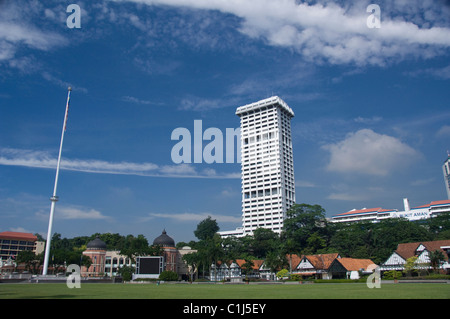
pixel 164 240
pixel 97 243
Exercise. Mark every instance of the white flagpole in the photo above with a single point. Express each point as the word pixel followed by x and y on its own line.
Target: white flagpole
pixel 54 198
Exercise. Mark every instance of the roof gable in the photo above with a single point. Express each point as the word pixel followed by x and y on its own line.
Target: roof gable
pixel 408 250
pixel 321 261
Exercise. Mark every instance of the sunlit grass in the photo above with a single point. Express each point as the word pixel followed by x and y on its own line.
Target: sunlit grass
pixel 218 291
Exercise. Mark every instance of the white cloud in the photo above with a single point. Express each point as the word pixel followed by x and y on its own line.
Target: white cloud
pixel 300 183
pixel 78 213
pixel 328 32
pixel 197 217
pixel 347 197
pixel 367 152
pixel 63 84
pixel 444 131
pixel 41 159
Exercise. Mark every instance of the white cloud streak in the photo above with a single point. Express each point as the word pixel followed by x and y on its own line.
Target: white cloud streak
pixel 41 159
pixel 197 217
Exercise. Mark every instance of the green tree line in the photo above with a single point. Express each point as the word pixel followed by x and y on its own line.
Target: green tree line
pixel 307 231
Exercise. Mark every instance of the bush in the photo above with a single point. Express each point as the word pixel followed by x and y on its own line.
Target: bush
pixel 168 275
pixel 392 274
pixel 296 277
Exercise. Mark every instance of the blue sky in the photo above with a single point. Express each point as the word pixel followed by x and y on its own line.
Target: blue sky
pixel 371 105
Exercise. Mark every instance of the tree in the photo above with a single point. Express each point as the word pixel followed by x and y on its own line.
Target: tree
pixel 436 257
pixel 206 229
pixel 193 260
pixel 410 266
pixel 303 220
pixel 136 246
pixel 264 241
pixel 276 260
pixel 247 266
pixel 31 260
pixel 282 273
pixel 126 272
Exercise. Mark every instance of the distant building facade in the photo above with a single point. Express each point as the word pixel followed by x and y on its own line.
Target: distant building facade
pixel 430 210
pixel 397 260
pixel 108 262
pixel 12 243
pixel 446 171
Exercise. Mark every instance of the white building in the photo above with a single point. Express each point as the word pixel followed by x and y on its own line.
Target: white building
pixel 421 250
pixel 446 170
pixel 432 209
pixel 365 214
pixel 267 166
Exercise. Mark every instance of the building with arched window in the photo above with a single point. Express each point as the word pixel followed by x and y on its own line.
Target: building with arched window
pixel 96 251
pixel 108 262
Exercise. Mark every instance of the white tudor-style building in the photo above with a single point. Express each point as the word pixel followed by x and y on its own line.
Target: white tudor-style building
pixel 398 258
pixel 321 266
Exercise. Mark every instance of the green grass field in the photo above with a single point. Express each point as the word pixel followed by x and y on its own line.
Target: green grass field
pixel 187 291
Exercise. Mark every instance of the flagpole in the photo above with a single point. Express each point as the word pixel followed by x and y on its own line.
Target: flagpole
pixel 54 198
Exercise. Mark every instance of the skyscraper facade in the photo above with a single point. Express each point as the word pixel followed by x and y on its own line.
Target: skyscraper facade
pixel 267 165
pixel 446 169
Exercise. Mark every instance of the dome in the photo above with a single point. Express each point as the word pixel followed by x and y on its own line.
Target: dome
pixel 97 243
pixel 164 240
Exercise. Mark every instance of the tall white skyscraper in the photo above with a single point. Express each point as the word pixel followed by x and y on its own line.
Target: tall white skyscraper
pixel 446 169
pixel 267 165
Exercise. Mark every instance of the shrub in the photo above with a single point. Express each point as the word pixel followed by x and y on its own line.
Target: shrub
pixel 168 275
pixel 296 277
pixel 392 274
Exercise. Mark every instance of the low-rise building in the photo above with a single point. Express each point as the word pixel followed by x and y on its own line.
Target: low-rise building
pixel 377 214
pixel 397 260
pixel 315 265
pixel 12 243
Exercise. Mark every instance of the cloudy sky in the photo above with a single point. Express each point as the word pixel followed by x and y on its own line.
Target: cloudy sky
pixel 372 120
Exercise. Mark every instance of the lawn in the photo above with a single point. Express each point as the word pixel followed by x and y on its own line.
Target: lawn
pixel 218 291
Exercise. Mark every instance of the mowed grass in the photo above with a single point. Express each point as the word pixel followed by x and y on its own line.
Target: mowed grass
pixel 188 291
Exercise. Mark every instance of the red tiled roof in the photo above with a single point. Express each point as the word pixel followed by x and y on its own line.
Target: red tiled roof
pixel 256 263
pixel 353 264
pixel 322 261
pixel 365 210
pixel 434 203
pixel 18 236
pixel 294 259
